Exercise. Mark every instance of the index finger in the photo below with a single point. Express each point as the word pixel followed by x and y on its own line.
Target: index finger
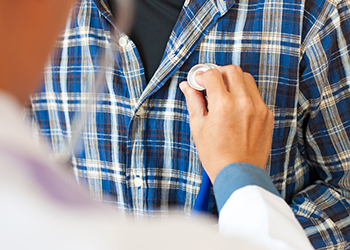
pixel 213 82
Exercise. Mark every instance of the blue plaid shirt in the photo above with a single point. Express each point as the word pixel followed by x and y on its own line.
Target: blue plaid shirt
pixel 138 150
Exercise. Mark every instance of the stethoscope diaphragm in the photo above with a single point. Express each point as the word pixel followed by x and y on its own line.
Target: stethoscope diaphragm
pixel 191 76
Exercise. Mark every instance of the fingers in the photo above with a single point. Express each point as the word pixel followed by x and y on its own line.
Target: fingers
pixel 258 102
pixel 196 104
pixel 228 79
pixel 242 86
pixel 213 82
pixel 229 82
pixel 252 88
pixel 235 81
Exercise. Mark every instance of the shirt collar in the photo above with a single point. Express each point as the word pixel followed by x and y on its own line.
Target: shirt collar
pixel 187 35
pixel 105 10
pixel 193 24
pixel 222 6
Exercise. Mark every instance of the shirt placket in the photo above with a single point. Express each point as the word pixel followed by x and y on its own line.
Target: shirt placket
pixel 139 94
pixel 134 78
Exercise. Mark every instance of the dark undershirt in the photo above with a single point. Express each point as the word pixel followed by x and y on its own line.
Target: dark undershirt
pixel 154 21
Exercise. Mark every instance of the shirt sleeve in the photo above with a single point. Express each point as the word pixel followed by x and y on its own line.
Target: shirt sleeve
pixel 323 208
pixel 237 175
pixel 250 207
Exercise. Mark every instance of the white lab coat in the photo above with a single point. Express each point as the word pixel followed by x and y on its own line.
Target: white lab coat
pixel 42 209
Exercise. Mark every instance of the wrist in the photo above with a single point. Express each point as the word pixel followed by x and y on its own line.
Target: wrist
pixel 214 165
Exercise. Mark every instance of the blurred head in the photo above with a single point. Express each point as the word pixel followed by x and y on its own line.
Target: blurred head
pixel 28 31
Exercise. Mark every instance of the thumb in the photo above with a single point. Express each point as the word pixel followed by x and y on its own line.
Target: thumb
pixel 195 101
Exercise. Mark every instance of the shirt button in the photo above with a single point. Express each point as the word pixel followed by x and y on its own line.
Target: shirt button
pixel 123 41
pixel 138 182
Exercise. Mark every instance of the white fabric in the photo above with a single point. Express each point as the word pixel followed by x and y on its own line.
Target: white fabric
pixel 32 218
pixel 264 218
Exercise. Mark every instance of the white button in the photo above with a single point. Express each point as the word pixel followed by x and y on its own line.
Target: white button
pixel 123 41
pixel 138 182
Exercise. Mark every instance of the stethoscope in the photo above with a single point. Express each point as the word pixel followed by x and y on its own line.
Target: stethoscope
pixel 202 200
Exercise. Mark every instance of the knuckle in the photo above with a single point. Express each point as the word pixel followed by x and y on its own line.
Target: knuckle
pixel 235 69
pixel 224 105
pixel 263 109
pixel 246 103
pixel 264 112
pixel 227 102
pixel 209 75
pixel 248 77
pixel 212 72
pixel 268 117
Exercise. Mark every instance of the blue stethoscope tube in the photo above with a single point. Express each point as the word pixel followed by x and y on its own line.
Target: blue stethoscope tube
pixel 202 201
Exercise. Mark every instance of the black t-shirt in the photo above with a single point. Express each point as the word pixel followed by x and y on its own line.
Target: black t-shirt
pixel 154 21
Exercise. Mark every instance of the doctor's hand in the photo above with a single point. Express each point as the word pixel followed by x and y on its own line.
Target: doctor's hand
pixel 236 126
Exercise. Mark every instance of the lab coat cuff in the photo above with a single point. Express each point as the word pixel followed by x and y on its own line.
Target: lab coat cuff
pixel 238 175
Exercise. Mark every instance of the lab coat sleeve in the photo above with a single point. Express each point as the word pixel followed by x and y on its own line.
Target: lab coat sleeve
pixel 251 207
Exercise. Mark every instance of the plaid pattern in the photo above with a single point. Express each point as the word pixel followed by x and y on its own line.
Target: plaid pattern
pixel 299 54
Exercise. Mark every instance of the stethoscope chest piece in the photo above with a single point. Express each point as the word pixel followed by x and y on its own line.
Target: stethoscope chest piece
pixel 191 77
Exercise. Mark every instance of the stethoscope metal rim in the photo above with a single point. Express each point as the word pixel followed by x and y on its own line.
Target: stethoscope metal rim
pixel 192 74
